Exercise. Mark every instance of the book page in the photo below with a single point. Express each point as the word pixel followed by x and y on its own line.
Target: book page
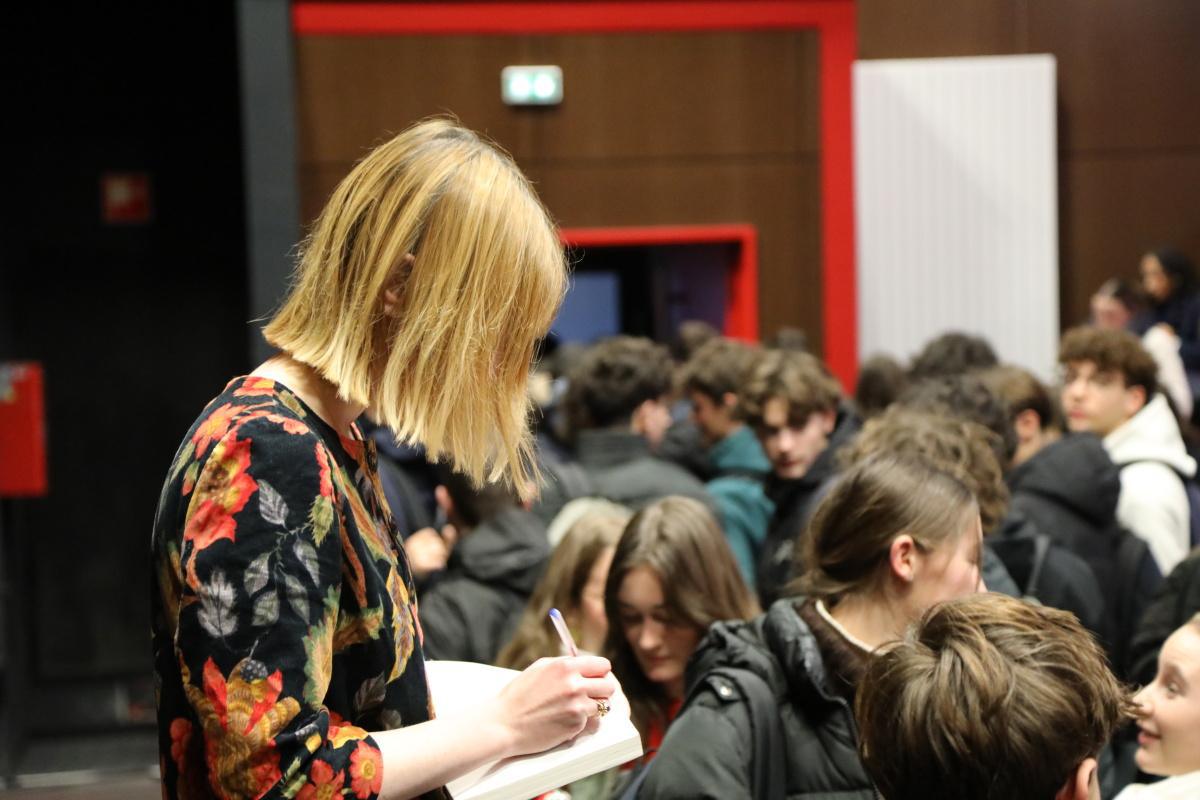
pixel 457 685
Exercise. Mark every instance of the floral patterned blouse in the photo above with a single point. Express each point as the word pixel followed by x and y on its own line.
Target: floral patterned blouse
pixel 284 618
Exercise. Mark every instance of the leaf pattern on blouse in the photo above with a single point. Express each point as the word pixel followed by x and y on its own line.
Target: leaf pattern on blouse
pixel 284 617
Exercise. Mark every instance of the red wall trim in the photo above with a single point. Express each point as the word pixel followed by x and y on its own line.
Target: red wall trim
pixel 370 19
pixel 741 293
pixel 834 20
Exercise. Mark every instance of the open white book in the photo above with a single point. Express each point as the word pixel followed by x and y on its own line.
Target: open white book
pixel 460 685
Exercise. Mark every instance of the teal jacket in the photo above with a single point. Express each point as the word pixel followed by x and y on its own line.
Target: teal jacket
pixel 743 507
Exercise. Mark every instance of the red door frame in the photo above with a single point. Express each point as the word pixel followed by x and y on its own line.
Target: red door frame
pixel 741 292
pixel 834 21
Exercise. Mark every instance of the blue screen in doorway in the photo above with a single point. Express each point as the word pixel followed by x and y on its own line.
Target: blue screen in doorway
pixel 592 308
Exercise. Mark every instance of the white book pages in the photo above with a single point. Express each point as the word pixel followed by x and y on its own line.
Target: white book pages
pixel 457 685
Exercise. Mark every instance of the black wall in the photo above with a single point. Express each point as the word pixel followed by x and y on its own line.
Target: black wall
pixel 137 326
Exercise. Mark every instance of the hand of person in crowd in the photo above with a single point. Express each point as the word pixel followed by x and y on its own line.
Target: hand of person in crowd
pixel 428 551
pixel 1166 327
pixel 554 700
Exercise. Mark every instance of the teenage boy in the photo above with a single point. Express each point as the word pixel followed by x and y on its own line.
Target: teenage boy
pixel 618 402
pixel 1069 487
pixel 794 406
pixel 992 697
pixel 711 381
pixel 1110 388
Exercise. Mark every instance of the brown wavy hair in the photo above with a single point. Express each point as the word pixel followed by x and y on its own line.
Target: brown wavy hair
pixel 716 368
pixel 681 542
pixel 966 450
pixel 798 378
pixel 1112 351
pixel 845 550
pixel 987 697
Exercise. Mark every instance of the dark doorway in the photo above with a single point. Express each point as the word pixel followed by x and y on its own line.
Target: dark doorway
pixel 645 290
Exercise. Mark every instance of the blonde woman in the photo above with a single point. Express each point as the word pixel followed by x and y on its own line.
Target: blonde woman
pixel 285 629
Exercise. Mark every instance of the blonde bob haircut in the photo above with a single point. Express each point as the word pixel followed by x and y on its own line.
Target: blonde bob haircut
pixel 449 366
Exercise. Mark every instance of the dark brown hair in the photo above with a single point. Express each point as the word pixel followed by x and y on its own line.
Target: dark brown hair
pixel 881 381
pixel 990 698
pixel 561 587
pixel 845 550
pixel 1021 391
pixel 1112 351
pixel 962 448
pixel 798 378
pixel 613 378
pixel 952 353
pixel 680 540
pixel 717 368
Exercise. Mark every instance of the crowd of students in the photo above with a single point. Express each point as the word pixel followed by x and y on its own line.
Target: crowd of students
pixel 801 594
pixel 727 526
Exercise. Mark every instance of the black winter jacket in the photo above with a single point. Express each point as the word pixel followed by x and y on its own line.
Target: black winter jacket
pixel 705 755
pixel 1176 602
pixel 795 501
pixel 1064 581
pixel 1069 489
pixel 471 611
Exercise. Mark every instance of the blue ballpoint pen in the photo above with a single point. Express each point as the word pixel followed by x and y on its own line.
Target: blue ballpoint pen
pixel 560 625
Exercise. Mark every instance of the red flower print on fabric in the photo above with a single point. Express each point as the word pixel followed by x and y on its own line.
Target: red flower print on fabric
pixel 215 427
pixel 222 491
pixel 366 771
pixel 323 782
pixel 181 737
pixel 255 387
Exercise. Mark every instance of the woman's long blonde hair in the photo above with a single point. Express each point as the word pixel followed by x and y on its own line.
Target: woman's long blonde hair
pixel 448 368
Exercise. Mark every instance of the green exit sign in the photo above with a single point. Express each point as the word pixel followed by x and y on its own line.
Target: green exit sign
pixel 531 86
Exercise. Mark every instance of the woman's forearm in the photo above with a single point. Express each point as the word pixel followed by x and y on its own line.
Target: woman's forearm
pixel 422 757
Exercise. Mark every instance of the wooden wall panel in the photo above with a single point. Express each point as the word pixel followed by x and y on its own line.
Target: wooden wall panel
pixel 779 196
pixel 1129 70
pixel 1115 209
pixel 1129 113
pixel 683 95
pixel 937 28
pixel 679 129
pixel 352 92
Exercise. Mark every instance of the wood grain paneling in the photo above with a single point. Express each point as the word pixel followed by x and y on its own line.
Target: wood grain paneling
pixel 655 96
pixel 778 196
pixel 1129 113
pixel 1129 71
pixel 353 91
pixel 1116 208
pixel 937 28
pixel 678 129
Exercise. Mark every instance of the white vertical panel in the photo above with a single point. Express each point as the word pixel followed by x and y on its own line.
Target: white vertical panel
pixel 956 204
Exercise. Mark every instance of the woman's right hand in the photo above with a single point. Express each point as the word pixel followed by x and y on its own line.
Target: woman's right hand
pixel 553 701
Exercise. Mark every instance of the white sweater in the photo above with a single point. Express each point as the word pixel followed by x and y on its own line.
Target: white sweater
pixel 1153 503
pixel 1182 787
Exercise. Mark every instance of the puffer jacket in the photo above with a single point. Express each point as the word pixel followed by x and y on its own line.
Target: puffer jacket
pixel 706 754
pixel 472 610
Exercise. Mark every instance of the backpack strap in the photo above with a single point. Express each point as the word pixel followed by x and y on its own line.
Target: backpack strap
pixel 734 684
pixel 1041 547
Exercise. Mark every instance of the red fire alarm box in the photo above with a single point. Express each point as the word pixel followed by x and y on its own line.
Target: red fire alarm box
pixel 125 198
pixel 22 430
